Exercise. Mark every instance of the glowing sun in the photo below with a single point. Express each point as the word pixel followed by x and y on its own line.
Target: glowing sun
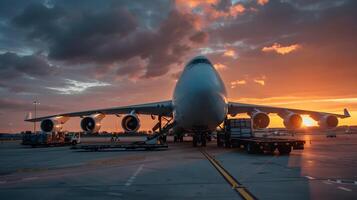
pixel 308 121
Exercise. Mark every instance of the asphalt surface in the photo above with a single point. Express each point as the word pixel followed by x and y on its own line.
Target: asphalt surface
pixel 326 169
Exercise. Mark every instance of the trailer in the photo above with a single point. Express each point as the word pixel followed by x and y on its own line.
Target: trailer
pixel 239 133
pixel 47 139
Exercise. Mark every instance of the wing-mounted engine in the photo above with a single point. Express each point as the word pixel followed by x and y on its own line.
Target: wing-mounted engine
pixel 327 121
pixel 130 123
pixel 92 124
pixel 54 124
pixel 260 119
pixel 291 120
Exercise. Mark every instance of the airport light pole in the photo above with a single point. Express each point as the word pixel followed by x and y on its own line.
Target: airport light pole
pixel 34 123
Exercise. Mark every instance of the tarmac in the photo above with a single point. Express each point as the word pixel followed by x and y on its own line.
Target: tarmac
pixel 325 169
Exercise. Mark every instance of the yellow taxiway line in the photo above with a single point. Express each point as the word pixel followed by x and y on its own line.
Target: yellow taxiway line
pixel 243 192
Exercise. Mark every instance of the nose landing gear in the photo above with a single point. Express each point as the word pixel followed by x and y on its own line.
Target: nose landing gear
pixel 199 138
pixel 178 138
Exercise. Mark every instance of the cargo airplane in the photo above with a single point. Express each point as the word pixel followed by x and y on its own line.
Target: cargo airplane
pixel 199 105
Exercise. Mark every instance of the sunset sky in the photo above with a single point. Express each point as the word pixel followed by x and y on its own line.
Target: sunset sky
pixel 79 55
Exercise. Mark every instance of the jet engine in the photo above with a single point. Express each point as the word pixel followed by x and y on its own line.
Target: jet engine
pixel 260 119
pixel 292 120
pixel 92 124
pixel 53 124
pixel 130 123
pixel 328 121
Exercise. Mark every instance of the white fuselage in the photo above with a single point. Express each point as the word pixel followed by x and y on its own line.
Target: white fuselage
pixel 199 100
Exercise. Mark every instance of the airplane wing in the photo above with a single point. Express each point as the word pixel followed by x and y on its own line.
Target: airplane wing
pixel 163 108
pixel 236 108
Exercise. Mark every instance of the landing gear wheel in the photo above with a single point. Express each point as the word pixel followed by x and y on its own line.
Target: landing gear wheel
pixel 209 138
pixel 199 138
pixel 249 148
pixel 253 149
pixel 194 140
pixel 181 138
pixel 219 141
pixel 227 144
pixel 227 141
pixel 284 150
pixel 160 139
pixel 271 150
pixel 203 139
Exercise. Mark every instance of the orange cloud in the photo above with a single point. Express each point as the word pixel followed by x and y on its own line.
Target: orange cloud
pixel 208 10
pixel 196 3
pixel 262 2
pixel 230 53
pixel 281 49
pixel 219 66
pixel 236 9
pixel 259 81
pixel 235 83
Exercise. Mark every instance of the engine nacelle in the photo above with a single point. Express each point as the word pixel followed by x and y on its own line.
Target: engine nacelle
pixel 260 119
pixel 53 124
pixel 328 121
pixel 292 120
pixel 92 124
pixel 130 123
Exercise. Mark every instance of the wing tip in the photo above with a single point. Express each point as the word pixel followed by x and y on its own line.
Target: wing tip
pixel 346 113
pixel 28 117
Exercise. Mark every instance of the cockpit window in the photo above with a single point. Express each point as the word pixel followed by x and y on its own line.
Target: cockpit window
pixel 200 60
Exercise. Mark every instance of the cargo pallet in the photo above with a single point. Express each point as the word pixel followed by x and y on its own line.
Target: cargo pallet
pixel 239 133
pixel 99 147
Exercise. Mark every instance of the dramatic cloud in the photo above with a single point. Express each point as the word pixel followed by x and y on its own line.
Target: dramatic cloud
pixel 278 48
pixel 23 106
pixel 73 86
pixel 199 37
pixel 17 73
pixel 39 20
pixel 13 65
pixel 109 36
pixel 74 37
pixel 132 68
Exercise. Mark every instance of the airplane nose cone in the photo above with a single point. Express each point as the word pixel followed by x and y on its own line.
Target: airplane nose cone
pixel 200 97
